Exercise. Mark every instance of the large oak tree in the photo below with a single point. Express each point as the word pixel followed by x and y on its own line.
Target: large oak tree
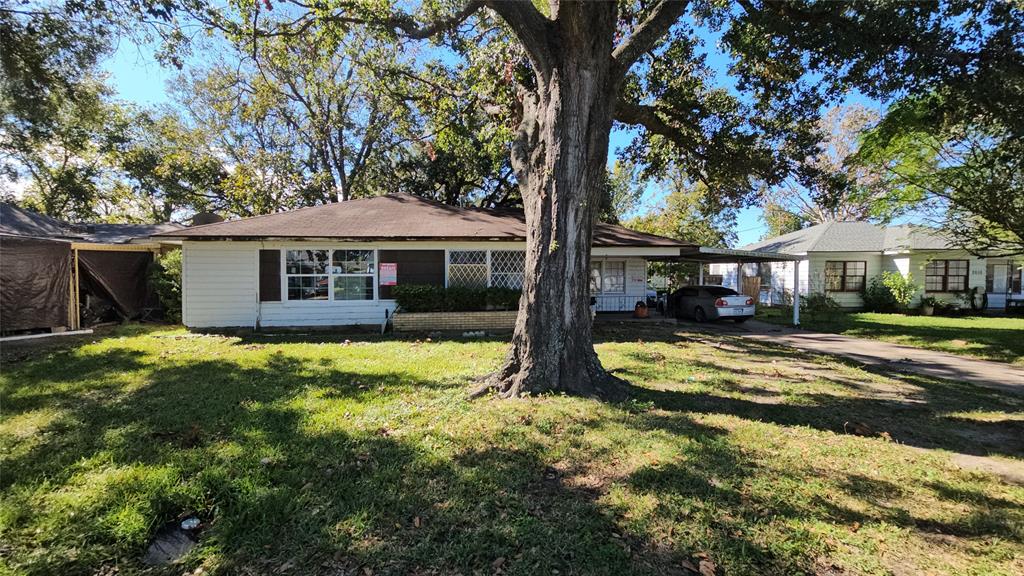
pixel 574 70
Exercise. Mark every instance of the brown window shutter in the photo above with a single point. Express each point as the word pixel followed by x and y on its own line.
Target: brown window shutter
pixel 414 267
pixel 270 275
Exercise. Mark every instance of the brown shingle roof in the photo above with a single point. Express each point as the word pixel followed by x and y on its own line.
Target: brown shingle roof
pixel 398 217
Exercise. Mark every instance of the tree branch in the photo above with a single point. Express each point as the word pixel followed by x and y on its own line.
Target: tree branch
pixel 647 34
pixel 648 117
pixel 410 29
pixel 530 26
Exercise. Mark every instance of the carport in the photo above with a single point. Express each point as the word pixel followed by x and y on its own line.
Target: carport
pixel 706 255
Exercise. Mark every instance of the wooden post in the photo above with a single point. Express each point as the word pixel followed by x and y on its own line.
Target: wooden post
pixel 78 304
pixel 71 300
pixel 796 293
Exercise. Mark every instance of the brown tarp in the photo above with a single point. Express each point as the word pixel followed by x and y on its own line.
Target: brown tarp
pixel 122 277
pixel 35 283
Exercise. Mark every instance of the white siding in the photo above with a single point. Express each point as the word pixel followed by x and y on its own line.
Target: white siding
pixel 319 313
pixel 219 284
pixel 816 274
pixel 636 286
pixel 221 281
pixel 977 269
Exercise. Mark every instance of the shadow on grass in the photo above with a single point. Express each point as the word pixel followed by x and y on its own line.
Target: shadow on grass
pixel 987 341
pixel 754 513
pixel 913 410
pixel 288 465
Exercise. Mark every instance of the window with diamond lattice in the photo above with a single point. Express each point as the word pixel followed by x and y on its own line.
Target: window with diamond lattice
pixel 467 268
pixel 508 267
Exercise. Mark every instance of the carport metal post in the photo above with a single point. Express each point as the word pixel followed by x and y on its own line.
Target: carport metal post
pixel 796 292
pixel 700 274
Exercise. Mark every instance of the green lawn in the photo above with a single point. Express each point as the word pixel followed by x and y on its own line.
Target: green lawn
pixel 312 456
pixel 988 337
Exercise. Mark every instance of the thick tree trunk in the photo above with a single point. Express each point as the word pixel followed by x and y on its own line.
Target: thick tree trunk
pixel 559 158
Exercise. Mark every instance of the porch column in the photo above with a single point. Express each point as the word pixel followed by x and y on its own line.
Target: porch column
pixel 796 292
pixel 700 274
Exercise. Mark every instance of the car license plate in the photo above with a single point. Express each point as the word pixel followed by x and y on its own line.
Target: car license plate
pixel 737 310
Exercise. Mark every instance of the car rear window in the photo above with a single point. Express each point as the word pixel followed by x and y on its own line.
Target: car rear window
pixel 717 291
pixel 688 292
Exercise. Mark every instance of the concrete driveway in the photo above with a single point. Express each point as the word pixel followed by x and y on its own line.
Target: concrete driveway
pixel 877 353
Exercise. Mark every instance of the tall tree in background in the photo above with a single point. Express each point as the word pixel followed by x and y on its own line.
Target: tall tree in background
pixel 318 112
pixel 622 193
pixel 692 213
pixel 965 174
pixel 834 187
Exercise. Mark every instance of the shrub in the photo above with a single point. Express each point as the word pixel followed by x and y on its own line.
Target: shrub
pixel 901 287
pixel 503 298
pixel 165 278
pixel 419 297
pixel 878 297
pixel 818 306
pixel 424 298
pixel 464 298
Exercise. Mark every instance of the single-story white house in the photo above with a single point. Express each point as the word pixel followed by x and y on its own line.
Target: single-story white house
pixel 841 258
pixel 336 264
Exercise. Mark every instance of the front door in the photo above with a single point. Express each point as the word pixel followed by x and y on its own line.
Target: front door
pixel 998 284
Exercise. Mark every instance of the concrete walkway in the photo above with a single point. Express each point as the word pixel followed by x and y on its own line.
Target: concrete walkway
pixel 997 375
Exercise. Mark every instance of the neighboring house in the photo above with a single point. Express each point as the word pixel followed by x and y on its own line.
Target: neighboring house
pixel 843 257
pixel 336 264
pixel 50 269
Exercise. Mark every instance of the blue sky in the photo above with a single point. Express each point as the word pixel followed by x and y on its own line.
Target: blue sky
pixel 139 78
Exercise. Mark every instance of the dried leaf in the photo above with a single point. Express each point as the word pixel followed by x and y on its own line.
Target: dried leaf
pixel 707 568
pixel 416 521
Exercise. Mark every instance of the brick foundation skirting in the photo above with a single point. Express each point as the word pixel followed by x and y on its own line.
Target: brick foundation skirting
pixel 495 321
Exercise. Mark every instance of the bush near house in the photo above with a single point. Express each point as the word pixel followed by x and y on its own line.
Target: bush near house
pixel 877 297
pixel 901 287
pixel 165 277
pixel 426 298
pixel 819 306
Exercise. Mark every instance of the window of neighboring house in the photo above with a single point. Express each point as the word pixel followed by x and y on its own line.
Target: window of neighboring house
pixel 467 268
pixel 508 268
pixel 352 274
pixel 1015 278
pixel 945 275
pixel 608 277
pixel 843 276
pixel 307 274
pixel 329 274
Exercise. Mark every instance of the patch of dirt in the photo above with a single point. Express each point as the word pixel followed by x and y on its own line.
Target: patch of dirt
pixel 1012 472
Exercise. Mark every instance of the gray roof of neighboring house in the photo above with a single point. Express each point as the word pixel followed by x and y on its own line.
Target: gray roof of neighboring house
pixel 15 221
pixel 400 216
pixel 854 237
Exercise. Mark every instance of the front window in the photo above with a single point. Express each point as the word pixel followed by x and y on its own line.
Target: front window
pixel 842 276
pixel 307 274
pixel 608 277
pixel 508 268
pixel 330 274
pixel 352 272
pixel 945 276
pixel 467 268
